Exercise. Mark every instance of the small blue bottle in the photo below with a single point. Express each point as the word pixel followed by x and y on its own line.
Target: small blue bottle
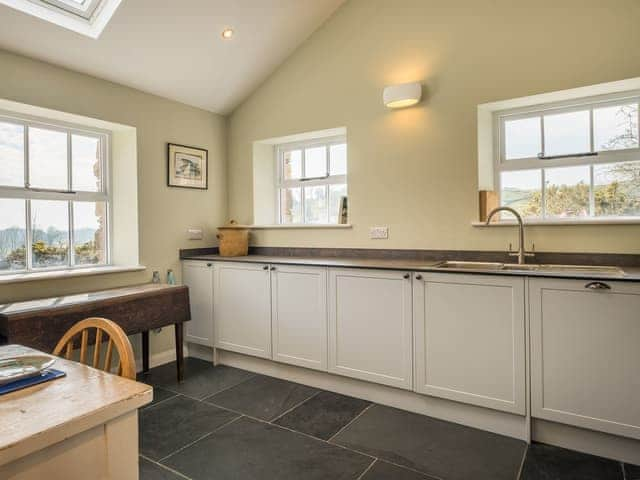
pixel 171 279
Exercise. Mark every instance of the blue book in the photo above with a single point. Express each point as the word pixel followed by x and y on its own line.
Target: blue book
pixel 45 376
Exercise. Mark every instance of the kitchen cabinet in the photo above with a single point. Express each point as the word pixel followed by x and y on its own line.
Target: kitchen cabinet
pixel 242 308
pixel 370 327
pixel 198 276
pixel 299 315
pixel 470 339
pixel 585 354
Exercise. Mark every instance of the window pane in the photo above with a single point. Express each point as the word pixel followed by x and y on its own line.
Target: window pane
pixel 338 159
pixel 616 127
pixel 89 228
pixel 566 133
pixel 291 205
pixel 12 234
pixel 50 232
pixel 85 162
pixel 292 164
pixel 523 138
pixel 315 162
pixel 47 159
pixel 522 191
pixel 315 204
pixel 617 189
pixel 11 154
pixel 336 192
pixel 567 191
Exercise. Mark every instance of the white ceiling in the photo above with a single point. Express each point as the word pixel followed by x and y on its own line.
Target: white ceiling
pixel 174 48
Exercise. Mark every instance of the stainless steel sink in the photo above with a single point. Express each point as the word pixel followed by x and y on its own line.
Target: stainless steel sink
pixel 518 267
pixel 584 269
pixel 470 265
pixel 531 267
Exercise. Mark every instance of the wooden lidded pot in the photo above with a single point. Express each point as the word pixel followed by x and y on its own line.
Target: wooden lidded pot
pixel 233 240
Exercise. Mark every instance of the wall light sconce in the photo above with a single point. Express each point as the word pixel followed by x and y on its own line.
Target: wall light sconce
pixel 402 95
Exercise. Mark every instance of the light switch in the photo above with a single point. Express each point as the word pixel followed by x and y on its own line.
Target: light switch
pixel 195 233
pixel 379 233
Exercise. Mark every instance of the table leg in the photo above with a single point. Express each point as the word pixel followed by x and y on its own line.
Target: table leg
pixel 179 353
pixel 145 352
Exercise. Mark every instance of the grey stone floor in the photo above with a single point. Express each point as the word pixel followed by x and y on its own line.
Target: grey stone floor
pixel 223 423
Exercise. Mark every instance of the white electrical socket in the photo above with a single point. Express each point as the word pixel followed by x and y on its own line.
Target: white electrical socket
pixel 379 233
pixel 194 233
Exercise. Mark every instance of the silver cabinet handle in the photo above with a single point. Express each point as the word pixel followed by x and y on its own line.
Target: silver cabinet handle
pixel 209 264
pixel 406 276
pixel 597 286
pixel 418 277
pixel 273 268
pixel 266 267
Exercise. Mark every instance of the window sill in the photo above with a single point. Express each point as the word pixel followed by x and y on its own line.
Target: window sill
pixel 290 226
pixel 70 273
pixel 561 222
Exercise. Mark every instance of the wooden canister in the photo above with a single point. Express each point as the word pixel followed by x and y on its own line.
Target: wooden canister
pixel 233 240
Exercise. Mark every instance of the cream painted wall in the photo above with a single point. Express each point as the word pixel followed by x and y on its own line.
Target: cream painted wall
pixel 164 213
pixel 415 169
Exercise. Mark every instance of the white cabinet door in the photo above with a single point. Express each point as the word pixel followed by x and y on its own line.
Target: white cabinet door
pixel 585 352
pixel 370 327
pixel 198 276
pixel 299 315
pixel 242 308
pixel 470 339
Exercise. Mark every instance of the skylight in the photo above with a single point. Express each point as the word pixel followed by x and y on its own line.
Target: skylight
pixel 87 17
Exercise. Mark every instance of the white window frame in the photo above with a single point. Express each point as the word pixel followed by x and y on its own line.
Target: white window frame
pixel 90 18
pixel 85 10
pixel 28 193
pixel 325 180
pixel 591 158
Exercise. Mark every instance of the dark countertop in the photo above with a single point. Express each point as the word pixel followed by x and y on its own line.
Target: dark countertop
pixel 630 273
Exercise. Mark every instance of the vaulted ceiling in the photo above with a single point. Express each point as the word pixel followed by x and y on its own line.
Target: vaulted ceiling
pixel 175 48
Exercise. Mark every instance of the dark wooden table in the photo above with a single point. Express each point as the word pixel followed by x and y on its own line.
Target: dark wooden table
pixel 41 323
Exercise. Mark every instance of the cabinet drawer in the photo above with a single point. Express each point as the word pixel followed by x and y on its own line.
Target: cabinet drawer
pixel 242 308
pixel 470 339
pixel 585 348
pixel 370 327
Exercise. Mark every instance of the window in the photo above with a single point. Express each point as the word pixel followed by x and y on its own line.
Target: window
pixel 311 181
pixel 88 17
pixel 54 200
pixel 82 8
pixel 577 162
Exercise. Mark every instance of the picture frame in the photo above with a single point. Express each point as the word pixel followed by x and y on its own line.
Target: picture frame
pixel 187 167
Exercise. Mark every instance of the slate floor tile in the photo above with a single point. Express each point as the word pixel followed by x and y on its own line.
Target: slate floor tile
pixel 159 395
pixel 201 379
pixel 545 462
pixel 632 472
pixel 385 471
pixel 263 397
pixel 176 422
pixel 248 449
pixel 435 447
pixel 323 415
pixel 151 471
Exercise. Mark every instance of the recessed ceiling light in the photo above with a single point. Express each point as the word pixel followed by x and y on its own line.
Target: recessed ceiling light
pixel 227 33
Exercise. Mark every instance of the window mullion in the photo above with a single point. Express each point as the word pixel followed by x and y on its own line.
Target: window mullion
pixel 71 262
pixel 591 134
pixel 592 193
pixel 543 194
pixel 27 175
pixel 542 139
pixel 28 241
pixel 302 190
pixel 69 164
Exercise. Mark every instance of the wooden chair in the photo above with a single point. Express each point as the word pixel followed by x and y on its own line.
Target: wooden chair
pixel 116 337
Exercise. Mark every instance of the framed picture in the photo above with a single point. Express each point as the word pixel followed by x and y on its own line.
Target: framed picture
pixel 187 167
